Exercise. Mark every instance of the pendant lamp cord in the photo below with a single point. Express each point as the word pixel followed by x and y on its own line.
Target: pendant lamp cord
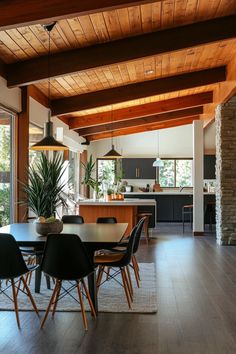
pixel 49 70
pixel 112 126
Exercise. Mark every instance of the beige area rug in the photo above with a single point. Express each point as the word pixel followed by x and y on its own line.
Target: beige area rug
pixel 111 296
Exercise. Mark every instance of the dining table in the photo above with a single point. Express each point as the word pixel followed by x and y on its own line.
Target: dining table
pixel 94 236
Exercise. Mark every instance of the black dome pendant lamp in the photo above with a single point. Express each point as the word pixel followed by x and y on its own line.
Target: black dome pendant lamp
pixel 49 142
pixel 112 154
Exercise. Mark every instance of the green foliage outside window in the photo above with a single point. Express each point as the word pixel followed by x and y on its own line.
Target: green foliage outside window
pixel 167 174
pixel 176 173
pixel 5 144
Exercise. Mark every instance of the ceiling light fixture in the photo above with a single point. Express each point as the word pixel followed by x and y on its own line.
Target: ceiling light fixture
pixel 112 154
pixel 149 72
pixel 49 142
pixel 158 162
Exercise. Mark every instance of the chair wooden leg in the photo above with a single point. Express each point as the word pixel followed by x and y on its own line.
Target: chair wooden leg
pixel 129 281
pixel 30 295
pixel 99 276
pixel 82 307
pixel 18 287
pixel 124 279
pixel 58 284
pixel 49 306
pixel 136 262
pixel 108 273
pixel 136 272
pixel 15 302
pixel 89 299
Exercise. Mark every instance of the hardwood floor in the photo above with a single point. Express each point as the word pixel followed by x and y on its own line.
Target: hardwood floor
pixel 196 286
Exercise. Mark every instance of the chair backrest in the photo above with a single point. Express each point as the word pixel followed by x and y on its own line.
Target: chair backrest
pixel 65 257
pixel 72 219
pixel 106 220
pixel 129 249
pixel 138 233
pixel 12 264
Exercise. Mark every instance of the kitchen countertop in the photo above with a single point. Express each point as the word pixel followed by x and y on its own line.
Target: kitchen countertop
pixel 184 192
pixel 126 202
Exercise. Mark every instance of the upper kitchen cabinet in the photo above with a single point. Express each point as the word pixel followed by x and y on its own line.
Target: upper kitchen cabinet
pixel 209 167
pixel 138 168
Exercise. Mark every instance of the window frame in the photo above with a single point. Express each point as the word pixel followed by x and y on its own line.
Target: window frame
pixel 175 159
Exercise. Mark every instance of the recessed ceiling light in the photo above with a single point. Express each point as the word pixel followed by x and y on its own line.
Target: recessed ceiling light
pixel 149 72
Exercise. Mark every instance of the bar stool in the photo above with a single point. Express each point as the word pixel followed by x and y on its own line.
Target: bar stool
pixel 146 223
pixel 211 210
pixel 187 210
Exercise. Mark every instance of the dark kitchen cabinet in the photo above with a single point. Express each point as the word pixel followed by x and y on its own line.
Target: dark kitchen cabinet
pixel 138 168
pixel 178 202
pixel 209 167
pixel 164 207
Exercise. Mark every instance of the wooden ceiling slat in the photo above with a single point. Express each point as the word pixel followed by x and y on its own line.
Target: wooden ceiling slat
pixel 135 130
pixel 143 121
pixel 156 43
pixel 140 90
pixel 141 110
pixel 13 14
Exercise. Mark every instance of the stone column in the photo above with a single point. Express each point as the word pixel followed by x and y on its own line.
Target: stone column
pixel 226 172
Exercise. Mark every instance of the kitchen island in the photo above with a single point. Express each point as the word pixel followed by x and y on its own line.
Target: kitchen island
pixel 123 210
pixel 170 203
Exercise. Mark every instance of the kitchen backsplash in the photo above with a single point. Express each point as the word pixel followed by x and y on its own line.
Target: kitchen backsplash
pixel 208 184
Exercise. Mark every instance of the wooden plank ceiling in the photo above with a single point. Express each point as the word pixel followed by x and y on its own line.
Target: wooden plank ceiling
pixel 122 66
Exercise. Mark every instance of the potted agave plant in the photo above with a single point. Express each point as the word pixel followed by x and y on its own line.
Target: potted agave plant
pixel 44 193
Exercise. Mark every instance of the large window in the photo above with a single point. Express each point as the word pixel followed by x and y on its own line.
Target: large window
pixel 176 173
pixel 6 167
pixel 106 172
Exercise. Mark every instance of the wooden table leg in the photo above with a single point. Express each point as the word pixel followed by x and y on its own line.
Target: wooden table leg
pixel 38 274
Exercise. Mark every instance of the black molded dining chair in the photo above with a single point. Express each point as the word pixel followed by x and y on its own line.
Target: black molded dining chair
pixel 106 220
pixel 13 267
pixel 123 244
pixel 65 259
pixel 121 248
pixel 120 262
pixel 72 219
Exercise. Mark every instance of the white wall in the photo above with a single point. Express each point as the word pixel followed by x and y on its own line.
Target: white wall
pixel 39 115
pixel 173 142
pixel 210 138
pixel 10 98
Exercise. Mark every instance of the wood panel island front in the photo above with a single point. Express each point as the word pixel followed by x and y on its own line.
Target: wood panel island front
pixel 125 211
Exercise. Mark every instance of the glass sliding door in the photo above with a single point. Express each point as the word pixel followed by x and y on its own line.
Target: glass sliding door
pixel 6 167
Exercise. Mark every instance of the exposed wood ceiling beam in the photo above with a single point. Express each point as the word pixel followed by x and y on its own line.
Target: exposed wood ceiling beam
pixel 16 13
pixel 134 130
pixel 26 72
pixel 138 90
pixel 38 96
pixel 144 121
pixel 222 92
pixel 143 110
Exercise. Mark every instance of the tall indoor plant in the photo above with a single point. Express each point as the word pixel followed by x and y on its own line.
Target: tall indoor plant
pixel 89 180
pixel 45 187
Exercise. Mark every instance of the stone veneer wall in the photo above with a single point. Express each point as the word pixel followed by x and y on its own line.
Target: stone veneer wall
pixel 226 172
